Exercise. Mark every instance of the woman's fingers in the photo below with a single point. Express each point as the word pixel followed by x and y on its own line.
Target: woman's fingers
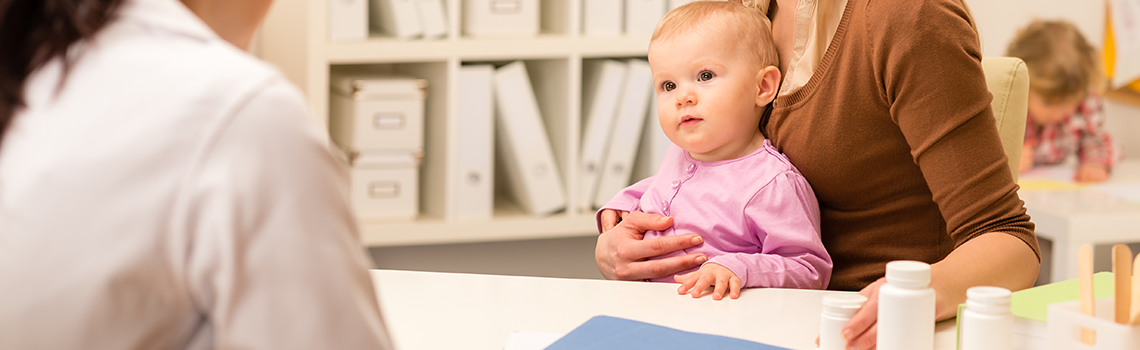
pixel 862 329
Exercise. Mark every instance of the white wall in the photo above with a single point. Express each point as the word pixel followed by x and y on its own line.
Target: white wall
pixel 999 20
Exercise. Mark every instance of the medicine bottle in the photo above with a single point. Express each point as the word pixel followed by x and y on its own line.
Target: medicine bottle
pixel 837 310
pixel 986 323
pixel 906 308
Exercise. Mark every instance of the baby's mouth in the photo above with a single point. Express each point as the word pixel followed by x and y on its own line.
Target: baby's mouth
pixel 689 120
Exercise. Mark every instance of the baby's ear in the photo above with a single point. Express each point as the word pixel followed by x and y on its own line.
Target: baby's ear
pixel 768 84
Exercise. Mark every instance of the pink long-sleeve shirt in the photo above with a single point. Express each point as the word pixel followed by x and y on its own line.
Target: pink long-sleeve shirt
pixel 757 215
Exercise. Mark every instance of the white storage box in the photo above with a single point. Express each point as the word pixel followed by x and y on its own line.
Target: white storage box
pixel 374 113
pixel 385 186
pixel 1066 321
pixel 500 17
pixel 348 19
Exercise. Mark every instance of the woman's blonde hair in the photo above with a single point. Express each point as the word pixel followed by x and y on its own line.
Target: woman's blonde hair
pixel 1062 64
pixel 748 25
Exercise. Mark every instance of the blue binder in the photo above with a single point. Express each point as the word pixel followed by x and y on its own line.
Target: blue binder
pixel 605 332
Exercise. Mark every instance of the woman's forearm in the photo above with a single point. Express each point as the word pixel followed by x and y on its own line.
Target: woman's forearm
pixel 992 259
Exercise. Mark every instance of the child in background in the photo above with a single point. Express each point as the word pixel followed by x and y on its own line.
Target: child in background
pixel 1066 113
pixel 714 71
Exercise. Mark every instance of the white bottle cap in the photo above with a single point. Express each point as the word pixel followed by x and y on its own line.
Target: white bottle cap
pixel 850 301
pixel 988 300
pixel 909 274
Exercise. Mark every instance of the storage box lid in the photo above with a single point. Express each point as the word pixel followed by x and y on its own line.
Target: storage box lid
pixel 378 87
pixel 385 160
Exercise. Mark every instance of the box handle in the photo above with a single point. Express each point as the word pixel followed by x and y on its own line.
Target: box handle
pixel 384 189
pixel 506 7
pixel 388 121
pixel 474 178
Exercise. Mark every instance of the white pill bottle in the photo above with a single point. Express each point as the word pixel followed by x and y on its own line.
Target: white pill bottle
pixel 837 310
pixel 906 307
pixel 986 323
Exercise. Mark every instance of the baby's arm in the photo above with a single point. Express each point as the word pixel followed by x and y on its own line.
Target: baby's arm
pixel 626 200
pixel 1096 152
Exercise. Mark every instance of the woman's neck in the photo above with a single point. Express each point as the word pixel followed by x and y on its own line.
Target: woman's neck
pixel 783 16
pixel 233 21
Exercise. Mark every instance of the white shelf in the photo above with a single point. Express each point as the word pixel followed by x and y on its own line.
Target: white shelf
pixel 385 50
pixel 295 39
pixel 501 228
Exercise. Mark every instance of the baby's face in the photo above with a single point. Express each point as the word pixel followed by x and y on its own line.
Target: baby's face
pixel 706 95
pixel 1050 112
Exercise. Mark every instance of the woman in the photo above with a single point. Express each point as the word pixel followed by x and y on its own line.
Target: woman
pixel 162 189
pixel 885 111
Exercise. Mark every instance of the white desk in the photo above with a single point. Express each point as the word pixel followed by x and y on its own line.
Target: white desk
pixel 1070 214
pixel 431 310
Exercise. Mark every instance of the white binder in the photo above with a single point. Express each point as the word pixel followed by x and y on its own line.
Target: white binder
pixel 472 177
pixel 348 19
pixel 653 145
pixel 627 131
pixel 533 180
pixel 433 19
pixel 398 18
pixel 603 81
pixel 601 17
pixel 677 3
pixel 641 16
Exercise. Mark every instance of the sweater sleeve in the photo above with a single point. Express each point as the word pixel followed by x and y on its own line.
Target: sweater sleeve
pixel 1095 144
pixel 783 218
pixel 628 199
pixel 929 63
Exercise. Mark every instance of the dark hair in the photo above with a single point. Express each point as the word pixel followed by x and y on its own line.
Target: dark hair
pixel 33 33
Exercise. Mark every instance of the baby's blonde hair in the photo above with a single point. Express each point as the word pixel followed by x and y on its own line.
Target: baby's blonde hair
pixel 1062 64
pixel 750 25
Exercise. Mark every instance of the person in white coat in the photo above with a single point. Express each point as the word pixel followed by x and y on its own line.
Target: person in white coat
pixel 160 188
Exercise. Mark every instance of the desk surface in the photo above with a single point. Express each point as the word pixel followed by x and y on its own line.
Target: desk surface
pixel 431 310
pixel 1071 214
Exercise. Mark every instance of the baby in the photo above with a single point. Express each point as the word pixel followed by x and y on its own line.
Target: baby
pixel 714 71
pixel 1066 115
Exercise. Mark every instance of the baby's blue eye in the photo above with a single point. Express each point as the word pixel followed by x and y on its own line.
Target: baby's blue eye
pixel 668 86
pixel 707 75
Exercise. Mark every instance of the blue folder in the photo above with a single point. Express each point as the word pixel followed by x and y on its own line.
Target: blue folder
pixel 605 332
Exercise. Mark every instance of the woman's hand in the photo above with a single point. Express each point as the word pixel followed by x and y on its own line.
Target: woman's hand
pixel 1091 173
pixel 621 253
pixel 710 275
pixel 861 331
pixel 611 218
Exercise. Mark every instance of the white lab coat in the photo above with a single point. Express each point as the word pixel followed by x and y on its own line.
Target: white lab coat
pixel 174 193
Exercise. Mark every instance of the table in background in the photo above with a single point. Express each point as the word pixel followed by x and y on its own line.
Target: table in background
pixel 1070 214
pixel 433 310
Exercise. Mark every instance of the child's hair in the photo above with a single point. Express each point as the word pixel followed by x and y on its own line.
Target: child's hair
pixel 749 25
pixel 1062 65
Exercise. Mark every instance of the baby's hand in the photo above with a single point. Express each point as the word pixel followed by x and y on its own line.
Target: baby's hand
pixel 716 276
pixel 1091 173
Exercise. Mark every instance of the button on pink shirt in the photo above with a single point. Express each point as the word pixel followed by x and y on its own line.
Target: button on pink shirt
pixel 757 215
